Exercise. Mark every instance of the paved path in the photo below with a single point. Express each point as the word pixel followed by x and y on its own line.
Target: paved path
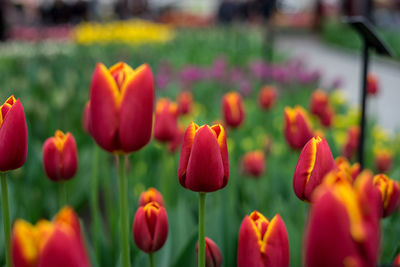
pixel 335 62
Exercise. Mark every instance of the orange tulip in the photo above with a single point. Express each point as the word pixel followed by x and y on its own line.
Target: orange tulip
pixel 297 127
pixel 233 109
pixel 13 135
pixel 203 163
pixel 389 190
pixel 253 163
pixel 60 156
pixel 151 195
pixel 213 254
pixel 121 107
pixel 262 243
pixel 166 123
pixel 267 97
pixel 185 102
pixel 59 243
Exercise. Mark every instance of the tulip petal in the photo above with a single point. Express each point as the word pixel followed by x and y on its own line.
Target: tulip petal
pixel 52 160
pixel 185 152
pixel 249 253
pixel 221 137
pixel 161 230
pixel 141 231
pixel 69 158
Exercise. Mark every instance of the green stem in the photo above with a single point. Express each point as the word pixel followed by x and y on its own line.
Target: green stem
pixel 123 204
pixel 6 217
pixel 94 203
pixel 151 259
pixel 202 242
pixel 63 193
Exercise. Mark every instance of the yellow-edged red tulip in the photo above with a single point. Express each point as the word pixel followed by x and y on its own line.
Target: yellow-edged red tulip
pixel 351 171
pixel 13 135
pixel 383 160
pixel 233 109
pixel 351 145
pixel 48 244
pixel 203 164
pixel 150 227
pixel 253 163
pixel 185 102
pixel 60 156
pixel 263 243
pixel 166 120
pixel 343 226
pixel 319 101
pixel 267 97
pixel 396 262
pixel 372 84
pixel 389 190
pixel 151 195
pixel 213 253
pixel 314 163
pixel 297 127
pixel 121 107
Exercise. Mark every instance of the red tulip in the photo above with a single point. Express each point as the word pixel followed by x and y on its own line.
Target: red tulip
pixel 60 157
pixel 166 124
pixel 121 107
pixel 253 163
pixel 150 227
pixel 233 109
pixel 13 135
pixel 351 145
pixel 185 102
pixel 372 84
pixel 49 244
pixel 213 254
pixel 389 190
pixel 151 195
pixel 383 160
pixel 297 127
pixel 267 97
pixel 327 117
pixel 203 163
pixel 351 171
pixel 396 262
pixel 85 118
pixel 314 163
pixel 177 140
pixel 319 102
pixel 343 226
pixel 262 243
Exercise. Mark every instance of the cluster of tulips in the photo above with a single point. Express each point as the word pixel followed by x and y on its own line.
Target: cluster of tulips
pixel 346 203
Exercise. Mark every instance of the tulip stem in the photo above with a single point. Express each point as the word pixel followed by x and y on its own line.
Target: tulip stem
pixel 95 202
pixel 202 242
pixel 63 193
pixel 6 217
pixel 151 259
pixel 123 204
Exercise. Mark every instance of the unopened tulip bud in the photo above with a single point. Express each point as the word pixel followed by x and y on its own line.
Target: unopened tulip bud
pixel 396 262
pixel 165 126
pixel 319 102
pixel 213 254
pixel 389 190
pixel 351 145
pixel 185 102
pixel 267 97
pixel 233 109
pixel 372 84
pixel 151 195
pixel 60 156
pixel 297 127
pixel 383 161
pixel 253 163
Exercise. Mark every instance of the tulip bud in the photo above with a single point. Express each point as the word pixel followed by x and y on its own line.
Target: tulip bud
pixel 13 135
pixel 372 84
pixel 327 117
pixel 121 107
pixel 177 140
pixel 233 109
pixel 396 262
pixel 314 163
pixel 85 118
pixel 203 163
pixel 166 124
pixel 150 227
pixel 267 97
pixel 383 160
pixel 351 145
pixel 319 102
pixel 262 242
pixel 351 171
pixel 185 102
pixel 151 195
pixel 60 157
pixel 297 127
pixel 389 190
pixel 344 218
pixel 253 163
pixel 213 254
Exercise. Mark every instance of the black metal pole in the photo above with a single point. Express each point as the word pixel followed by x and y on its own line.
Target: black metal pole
pixel 363 103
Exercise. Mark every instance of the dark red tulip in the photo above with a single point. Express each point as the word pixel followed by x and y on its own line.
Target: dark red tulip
pixel 233 109
pixel 60 156
pixel 185 102
pixel 13 135
pixel 298 130
pixel 327 117
pixel 213 254
pixel 151 195
pixel 150 227
pixel 319 102
pixel 351 145
pixel 372 84
pixel 389 191
pixel 166 120
pixel 253 163
pixel 344 218
pixel 267 97
pixel 383 160
pixel 263 243
pixel 314 163
pixel 121 107
pixel 49 244
pixel 203 163
pixel 396 262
